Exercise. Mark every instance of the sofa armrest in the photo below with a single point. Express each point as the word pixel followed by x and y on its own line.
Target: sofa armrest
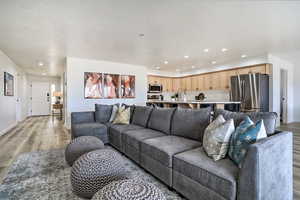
pixel 82 117
pixel 267 171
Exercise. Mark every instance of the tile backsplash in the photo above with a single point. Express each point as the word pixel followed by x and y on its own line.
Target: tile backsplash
pixel 211 95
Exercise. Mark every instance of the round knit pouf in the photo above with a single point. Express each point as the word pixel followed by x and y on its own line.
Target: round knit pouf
pixel 94 170
pixel 80 146
pixel 129 189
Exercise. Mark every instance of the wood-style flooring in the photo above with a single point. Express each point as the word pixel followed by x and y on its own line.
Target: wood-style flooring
pixel 43 133
pixel 33 134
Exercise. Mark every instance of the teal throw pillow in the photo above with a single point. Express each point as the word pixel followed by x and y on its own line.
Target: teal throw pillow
pixel 245 134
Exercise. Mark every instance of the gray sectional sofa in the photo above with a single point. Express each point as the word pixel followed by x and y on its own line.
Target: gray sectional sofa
pixel 167 143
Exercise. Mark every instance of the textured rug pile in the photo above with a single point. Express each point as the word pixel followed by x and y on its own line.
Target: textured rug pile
pixel 45 175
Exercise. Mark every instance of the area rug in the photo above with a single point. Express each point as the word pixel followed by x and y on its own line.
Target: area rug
pixel 45 175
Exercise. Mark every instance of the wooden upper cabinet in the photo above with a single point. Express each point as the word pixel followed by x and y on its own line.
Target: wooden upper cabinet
pixel 188 83
pixel 167 85
pixel 216 81
pixel 207 82
pixel 195 83
pixel 176 84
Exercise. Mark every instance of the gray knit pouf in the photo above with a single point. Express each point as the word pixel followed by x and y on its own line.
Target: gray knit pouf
pixel 80 146
pixel 129 189
pixel 94 170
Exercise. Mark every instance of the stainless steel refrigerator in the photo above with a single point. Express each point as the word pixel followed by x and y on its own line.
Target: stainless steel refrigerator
pixel 252 90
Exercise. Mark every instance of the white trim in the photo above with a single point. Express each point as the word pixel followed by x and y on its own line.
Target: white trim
pixel 3 132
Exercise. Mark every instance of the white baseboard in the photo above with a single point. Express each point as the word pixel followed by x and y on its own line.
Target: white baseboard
pixel 3 132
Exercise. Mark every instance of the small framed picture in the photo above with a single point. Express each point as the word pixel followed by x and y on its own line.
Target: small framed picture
pixel 8 84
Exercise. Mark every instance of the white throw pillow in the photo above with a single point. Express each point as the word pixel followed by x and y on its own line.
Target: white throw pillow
pixel 113 113
pixel 217 136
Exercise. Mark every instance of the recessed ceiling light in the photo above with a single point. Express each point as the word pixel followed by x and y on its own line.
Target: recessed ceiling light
pixel 157 67
pixel 186 57
pixel 193 67
pixel 41 64
pixel 206 50
pixel 166 62
pixel 44 74
pixel 224 50
pixel 243 56
pixel 141 35
pixel 213 62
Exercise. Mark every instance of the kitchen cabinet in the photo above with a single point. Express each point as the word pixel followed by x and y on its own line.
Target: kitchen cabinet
pixel 176 84
pixel 195 83
pixel 219 80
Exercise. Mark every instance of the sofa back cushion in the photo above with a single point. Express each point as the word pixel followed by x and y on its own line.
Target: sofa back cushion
pixel 190 123
pixel 141 115
pixel 160 119
pixel 269 118
pixel 103 113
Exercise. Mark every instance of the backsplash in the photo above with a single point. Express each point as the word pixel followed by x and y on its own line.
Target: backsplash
pixel 211 95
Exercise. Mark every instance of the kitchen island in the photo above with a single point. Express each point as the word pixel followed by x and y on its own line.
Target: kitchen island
pixel 228 105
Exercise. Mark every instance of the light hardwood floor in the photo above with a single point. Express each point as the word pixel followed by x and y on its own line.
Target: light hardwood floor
pixel 33 134
pixel 43 133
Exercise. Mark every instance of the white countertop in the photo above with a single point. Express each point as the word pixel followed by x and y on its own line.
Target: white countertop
pixel 194 102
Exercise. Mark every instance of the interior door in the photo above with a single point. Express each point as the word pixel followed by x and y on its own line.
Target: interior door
pixel 40 99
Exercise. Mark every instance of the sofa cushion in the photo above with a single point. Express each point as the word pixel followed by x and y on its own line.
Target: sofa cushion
pixel 190 123
pixel 122 116
pixel 218 176
pixel 116 131
pixel 268 117
pixel 90 129
pixel 245 134
pixel 103 112
pixel 134 137
pixel 163 148
pixel 160 119
pixel 141 115
pixel 217 136
pixel 131 110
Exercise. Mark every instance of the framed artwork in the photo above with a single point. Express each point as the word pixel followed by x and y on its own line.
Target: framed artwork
pixel 93 85
pixel 8 84
pixel 111 84
pixel 127 86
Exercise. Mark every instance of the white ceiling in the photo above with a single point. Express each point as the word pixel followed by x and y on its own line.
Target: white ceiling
pixel 48 31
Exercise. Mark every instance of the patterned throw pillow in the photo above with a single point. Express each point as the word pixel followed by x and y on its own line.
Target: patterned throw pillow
pixel 217 136
pixel 245 134
pixel 122 116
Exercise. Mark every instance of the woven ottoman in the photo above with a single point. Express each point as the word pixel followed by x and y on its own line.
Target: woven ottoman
pixel 129 189
pixel 80 146
pixel 94 170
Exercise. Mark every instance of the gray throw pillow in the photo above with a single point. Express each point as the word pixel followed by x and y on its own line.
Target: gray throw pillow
pixel 217 136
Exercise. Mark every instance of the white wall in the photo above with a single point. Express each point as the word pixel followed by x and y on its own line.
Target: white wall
pixel 278 64
pixel 75 83
pixel 8 104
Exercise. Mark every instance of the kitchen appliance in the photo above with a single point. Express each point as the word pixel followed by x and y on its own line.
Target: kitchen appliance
pixel 252 90
pixel 155 88
pixel 155 97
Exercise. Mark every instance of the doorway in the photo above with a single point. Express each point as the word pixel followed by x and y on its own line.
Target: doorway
pixel 40 98
pixel 283 96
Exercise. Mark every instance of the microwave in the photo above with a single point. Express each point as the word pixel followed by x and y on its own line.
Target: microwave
pixel 156 88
